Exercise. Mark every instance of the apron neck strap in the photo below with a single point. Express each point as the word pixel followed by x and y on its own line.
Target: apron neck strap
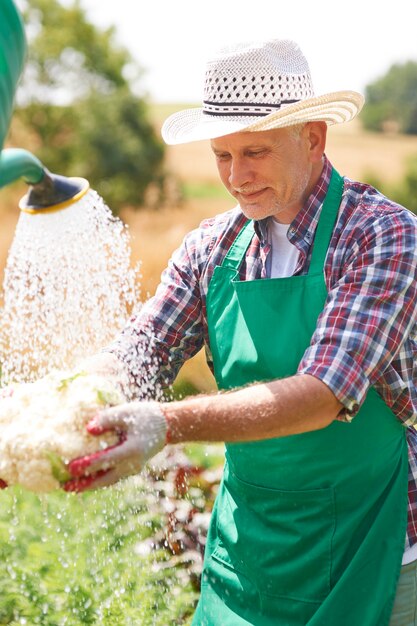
pixel 322 237
pixel 238 248
pixel 326 223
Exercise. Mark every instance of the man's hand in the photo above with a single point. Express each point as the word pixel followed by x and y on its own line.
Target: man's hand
pixel 141 428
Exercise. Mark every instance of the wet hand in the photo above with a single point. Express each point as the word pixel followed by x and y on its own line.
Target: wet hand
pixel 141 428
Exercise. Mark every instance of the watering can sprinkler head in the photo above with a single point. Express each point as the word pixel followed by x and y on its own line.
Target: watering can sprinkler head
pixel 47 191
pixel 53 193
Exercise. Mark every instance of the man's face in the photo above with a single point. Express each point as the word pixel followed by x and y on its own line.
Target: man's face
pixel 270 173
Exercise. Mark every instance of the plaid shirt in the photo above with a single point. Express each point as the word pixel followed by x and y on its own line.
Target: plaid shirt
pixel 366 334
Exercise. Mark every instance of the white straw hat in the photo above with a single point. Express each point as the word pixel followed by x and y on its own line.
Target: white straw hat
pixel 258 86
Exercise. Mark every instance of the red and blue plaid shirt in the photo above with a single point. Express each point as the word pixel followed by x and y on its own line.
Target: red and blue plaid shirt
pixel 365 335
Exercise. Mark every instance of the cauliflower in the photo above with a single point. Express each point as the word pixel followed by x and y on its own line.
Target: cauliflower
pixel 43 427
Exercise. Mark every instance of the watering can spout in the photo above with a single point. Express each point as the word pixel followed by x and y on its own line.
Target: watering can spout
pixel 16 163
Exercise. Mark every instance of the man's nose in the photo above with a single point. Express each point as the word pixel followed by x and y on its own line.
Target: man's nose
pixel 240 173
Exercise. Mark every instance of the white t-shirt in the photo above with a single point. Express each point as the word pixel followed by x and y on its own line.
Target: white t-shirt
pixel 284 255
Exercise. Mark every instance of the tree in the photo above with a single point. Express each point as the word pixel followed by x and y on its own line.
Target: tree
pixel 78 97
pixel 392 100
pixel 405 191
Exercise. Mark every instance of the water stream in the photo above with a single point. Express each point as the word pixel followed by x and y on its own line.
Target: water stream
pixel 68 288
pixel 67 559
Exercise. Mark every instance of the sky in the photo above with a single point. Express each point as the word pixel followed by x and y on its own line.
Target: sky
pixel 347 44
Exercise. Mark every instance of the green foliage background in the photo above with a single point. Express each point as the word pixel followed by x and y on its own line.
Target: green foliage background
pixel 392 100
pixel 78 106
pixel 73 560
pixel 403 192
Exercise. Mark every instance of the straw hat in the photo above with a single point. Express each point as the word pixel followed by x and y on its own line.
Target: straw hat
pixel 258 86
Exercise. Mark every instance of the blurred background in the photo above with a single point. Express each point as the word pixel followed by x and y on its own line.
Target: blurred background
pixel 99 80
pixel 101 77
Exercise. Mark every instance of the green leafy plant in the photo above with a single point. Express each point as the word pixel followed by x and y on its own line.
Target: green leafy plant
pixel 75 560
pixel 128 555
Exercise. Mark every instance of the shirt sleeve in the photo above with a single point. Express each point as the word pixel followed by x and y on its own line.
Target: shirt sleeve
pixel 370 310
pixel 167 330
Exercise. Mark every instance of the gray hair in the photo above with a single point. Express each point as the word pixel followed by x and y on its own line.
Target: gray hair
pixel 296 129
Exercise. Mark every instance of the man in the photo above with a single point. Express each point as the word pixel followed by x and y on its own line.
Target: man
pixel 305 297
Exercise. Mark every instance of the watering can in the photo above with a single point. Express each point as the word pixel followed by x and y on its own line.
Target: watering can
pixel 47 191
pixel 12 57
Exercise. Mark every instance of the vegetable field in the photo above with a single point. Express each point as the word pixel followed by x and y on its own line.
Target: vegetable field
pixel 72 561
pixel 129 555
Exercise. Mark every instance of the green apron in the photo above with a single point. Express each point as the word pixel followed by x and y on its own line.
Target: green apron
pixel 308 528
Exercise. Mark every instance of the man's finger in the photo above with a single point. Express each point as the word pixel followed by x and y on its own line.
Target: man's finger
pixel 104 459
pixel 78 467
pixel 103 478
pixel 112 476
pixel 77 485
pixel 114 418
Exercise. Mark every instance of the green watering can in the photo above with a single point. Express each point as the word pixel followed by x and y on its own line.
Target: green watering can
pixel 12 58
pixel 47 190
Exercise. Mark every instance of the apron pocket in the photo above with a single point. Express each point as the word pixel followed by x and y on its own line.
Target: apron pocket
pixel 280 540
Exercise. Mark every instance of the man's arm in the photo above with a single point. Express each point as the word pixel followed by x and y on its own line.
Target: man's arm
pixel 293 405
pixel 282 407
pixel 364 334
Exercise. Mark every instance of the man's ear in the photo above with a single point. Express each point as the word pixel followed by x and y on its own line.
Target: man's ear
pixel 316 133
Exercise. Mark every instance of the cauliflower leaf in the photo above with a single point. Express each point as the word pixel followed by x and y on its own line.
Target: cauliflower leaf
pixel 58 468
